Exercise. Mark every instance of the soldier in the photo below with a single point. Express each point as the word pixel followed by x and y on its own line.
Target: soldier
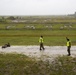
pixel 41 43
pixel 68 46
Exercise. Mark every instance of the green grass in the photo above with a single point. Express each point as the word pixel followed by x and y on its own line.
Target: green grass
pixel 44 32
pixel 13 64
pixel 18 35
pixel 18 64
pixel 31 37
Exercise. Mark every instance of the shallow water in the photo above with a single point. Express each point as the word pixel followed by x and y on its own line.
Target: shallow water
pixel 33 51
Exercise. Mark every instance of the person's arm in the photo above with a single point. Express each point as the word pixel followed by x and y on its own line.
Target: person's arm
pixel 66 38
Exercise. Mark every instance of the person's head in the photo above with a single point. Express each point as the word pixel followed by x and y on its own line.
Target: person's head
pixel 41 36
pixel 67 39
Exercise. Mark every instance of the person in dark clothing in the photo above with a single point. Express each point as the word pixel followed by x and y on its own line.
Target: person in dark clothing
pixel 41 43
pixel 8 44
pixel 68 46
pixel 4 46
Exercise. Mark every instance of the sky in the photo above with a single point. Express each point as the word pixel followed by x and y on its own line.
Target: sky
pixel 37 7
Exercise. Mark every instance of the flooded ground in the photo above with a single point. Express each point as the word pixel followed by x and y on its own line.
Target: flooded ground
pixel 33 51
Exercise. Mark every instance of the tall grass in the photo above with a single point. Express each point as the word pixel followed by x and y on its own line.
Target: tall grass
pixel 17 64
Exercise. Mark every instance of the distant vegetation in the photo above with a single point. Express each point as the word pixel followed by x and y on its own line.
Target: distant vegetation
pixel 37 22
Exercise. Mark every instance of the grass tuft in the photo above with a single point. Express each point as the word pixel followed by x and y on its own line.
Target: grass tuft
pixel 18 64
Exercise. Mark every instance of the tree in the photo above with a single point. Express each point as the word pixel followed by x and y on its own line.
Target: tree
pixel 11 18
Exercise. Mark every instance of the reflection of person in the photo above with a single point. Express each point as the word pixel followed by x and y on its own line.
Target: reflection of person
pixel 41 43
pixel 68 46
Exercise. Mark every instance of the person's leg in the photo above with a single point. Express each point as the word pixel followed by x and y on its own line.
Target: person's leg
pixel 40 46
pixel 43 46
pixel 68 51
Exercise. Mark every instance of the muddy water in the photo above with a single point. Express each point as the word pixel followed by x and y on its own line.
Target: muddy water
pixel 33 51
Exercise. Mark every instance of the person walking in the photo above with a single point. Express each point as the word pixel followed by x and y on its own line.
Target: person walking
pixel 68 46
pixel 41 43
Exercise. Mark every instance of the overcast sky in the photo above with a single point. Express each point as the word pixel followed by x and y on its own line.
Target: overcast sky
pixel 37 7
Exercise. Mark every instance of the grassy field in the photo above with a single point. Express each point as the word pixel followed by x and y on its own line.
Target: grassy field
pixel 31 37
pixel 17 64
pixel 37 25
pixel 54 29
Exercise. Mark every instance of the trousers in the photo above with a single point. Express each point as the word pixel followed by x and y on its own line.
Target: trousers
pixel 41 46
pixel 68 50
